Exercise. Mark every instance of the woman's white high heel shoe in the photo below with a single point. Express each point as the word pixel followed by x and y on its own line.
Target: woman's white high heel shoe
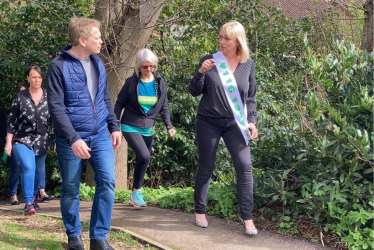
pixel 249 231
pixel 201 224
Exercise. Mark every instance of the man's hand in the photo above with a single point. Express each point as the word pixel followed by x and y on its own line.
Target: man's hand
pixel 81 150
pixel 116 140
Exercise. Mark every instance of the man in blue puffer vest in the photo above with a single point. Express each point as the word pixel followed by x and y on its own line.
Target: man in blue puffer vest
pixel 82 113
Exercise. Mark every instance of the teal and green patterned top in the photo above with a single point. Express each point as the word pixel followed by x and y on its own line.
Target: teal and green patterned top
pixel 147 99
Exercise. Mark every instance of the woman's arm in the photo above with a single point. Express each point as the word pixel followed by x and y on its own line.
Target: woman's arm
pixel 13 116
pixel 196 86
pixel 8 144
pixel 251 98
pixel 164 112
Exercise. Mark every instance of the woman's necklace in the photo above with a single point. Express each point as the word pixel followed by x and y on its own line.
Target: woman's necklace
pixel 36 97
pixel 150 81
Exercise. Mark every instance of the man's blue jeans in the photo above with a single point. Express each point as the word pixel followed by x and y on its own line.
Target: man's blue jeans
pixel 102 162
pixel 32 166
pixel 15 172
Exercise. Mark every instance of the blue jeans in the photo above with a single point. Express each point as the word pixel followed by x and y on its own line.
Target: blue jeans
pixel 32 166
pixel 102 162
pixel 42 179
pixel 15 172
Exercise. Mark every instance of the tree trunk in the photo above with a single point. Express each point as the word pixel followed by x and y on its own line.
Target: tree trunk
pixel 126 28
pixel 368 36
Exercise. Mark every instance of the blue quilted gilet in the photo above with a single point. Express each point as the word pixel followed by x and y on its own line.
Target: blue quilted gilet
pixel 86 117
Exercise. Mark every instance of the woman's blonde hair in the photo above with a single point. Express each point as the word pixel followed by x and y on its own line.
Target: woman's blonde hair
pixel 236 29
pixel 81 27
pixel 145 55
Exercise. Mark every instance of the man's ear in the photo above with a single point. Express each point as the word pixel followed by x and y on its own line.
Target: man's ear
pixel 82 41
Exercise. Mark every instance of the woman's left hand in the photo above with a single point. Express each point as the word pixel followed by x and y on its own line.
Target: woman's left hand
pixel 253 129
pixel 172 132
pixel 8 148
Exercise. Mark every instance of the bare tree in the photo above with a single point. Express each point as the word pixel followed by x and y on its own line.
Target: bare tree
pixel 368 34
pixel 127 26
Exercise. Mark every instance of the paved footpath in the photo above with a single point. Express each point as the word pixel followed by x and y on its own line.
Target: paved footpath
pixel 168 229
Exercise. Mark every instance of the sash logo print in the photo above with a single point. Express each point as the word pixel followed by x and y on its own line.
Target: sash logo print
pixel 232 89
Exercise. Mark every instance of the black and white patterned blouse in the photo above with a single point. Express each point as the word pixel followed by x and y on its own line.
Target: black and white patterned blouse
pixel 29 123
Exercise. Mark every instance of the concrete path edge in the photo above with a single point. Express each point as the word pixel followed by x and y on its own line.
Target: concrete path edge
pixel 115 228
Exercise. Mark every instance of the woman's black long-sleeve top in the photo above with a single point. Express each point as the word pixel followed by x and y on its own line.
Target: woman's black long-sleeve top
pixel 133 114
pixel 214 102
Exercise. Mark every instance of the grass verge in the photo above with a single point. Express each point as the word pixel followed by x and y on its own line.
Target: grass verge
pixel 45 233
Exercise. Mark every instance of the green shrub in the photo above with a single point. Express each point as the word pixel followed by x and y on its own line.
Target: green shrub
pixel 322 162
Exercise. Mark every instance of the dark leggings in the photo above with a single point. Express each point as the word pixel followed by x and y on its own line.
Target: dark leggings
pixel 208 133
pixel 142 146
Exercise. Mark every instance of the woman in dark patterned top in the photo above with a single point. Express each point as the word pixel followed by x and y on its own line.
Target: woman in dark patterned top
pixel 28 135
pixel 227 82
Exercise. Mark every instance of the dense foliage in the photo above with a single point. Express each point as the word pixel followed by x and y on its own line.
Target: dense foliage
pixel 314 158
pixel 321 163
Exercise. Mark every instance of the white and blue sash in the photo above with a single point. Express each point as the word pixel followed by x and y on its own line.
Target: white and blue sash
pixel 232 93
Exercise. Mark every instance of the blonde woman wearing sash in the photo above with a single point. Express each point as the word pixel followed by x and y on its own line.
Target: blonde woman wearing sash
pixel 227 109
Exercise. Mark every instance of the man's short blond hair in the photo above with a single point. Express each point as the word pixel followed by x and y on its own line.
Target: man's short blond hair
pixel 81 27
pixel 236 29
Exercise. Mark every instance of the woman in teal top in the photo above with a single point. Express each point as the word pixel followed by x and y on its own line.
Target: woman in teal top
pixel 143 97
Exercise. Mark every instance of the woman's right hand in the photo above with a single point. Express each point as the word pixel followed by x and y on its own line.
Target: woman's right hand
pixel 8 148
pixel 172 132
pixel 207 65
